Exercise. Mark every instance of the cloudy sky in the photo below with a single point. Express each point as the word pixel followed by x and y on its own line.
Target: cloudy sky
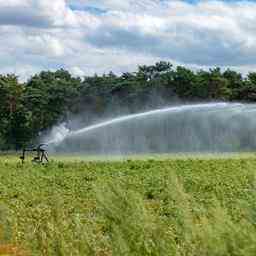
pixel 96 36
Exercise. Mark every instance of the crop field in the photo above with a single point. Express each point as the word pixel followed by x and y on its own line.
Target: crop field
pixel 156 206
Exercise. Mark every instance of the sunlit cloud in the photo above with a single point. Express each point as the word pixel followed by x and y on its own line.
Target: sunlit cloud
pixel 90 36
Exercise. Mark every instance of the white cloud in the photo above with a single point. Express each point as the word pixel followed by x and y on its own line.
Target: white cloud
pixel 209 33
pixel 14 3
pixel 45 45
pixel 118 35
pixel 36 13
pixel 77 71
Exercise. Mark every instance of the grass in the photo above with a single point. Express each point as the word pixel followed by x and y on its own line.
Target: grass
pixel 77 157
pixel 158 206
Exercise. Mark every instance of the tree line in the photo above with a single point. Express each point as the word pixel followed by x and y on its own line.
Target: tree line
pixel 27 109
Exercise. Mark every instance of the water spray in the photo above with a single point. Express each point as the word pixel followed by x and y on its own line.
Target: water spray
pixel 207 127
pixel 62 134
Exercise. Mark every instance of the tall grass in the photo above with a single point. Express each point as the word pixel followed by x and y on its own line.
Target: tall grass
pixel 131 208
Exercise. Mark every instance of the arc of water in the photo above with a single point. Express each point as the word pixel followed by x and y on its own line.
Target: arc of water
pixel 175 109
pixel 145 114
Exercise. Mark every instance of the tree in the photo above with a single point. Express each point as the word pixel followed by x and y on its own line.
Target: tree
pixel 252 79
pixel 147 73
pixel 49 96
pixel 234 78
pixel 218 85
pixel 13 116
pixel 183 82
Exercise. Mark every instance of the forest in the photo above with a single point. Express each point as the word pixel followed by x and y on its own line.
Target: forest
pixel 29 108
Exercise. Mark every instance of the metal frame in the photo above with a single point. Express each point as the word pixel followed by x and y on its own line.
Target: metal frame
pixel 41 154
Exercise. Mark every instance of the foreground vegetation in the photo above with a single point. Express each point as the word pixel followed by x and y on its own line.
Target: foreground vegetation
pixel 132 207
pixel 27 109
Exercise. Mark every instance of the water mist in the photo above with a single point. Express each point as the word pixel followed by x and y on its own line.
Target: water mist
pixel 213 127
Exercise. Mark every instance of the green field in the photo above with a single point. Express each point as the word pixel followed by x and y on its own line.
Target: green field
pixel 170 205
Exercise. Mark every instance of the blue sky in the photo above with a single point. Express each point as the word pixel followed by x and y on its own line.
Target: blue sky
pixel 97 36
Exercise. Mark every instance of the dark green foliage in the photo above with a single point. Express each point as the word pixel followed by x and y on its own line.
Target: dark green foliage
pixel 50 97
pixel 14 117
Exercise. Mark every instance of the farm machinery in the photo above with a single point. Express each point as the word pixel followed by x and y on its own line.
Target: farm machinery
pixel 41 154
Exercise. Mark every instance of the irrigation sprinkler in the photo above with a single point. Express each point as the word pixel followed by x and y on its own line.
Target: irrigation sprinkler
pixel 41 154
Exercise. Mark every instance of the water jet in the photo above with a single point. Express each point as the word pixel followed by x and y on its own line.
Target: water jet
pixel 208 127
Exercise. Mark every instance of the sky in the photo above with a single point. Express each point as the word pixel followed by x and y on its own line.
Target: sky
pixel 99 36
